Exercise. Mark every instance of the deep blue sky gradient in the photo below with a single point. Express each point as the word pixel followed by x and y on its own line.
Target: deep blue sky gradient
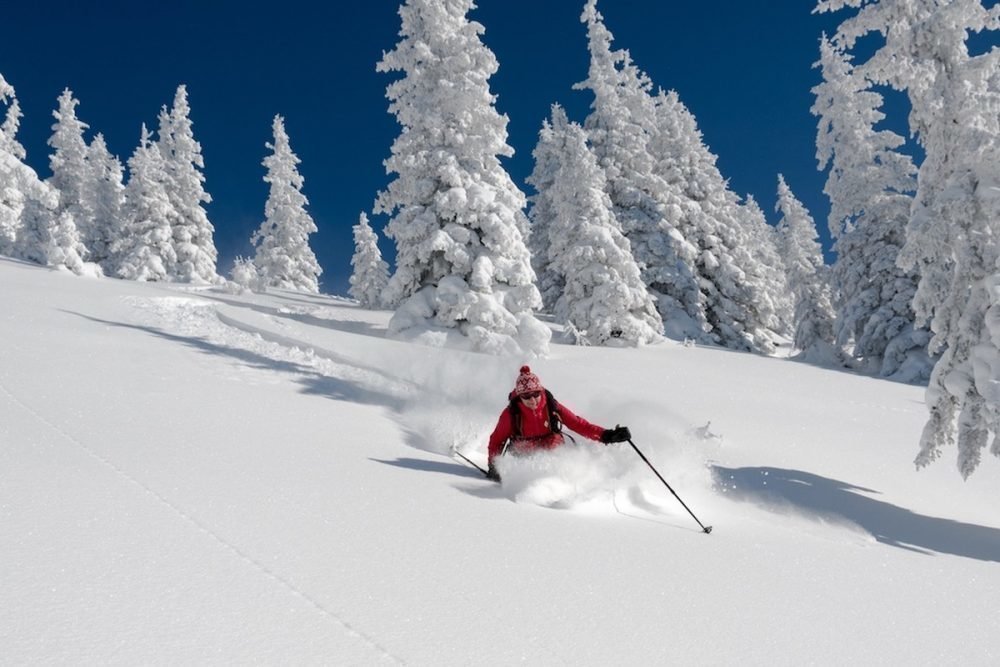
pixel 743 68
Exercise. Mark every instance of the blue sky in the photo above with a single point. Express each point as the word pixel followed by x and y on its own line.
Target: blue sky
pixel 744 69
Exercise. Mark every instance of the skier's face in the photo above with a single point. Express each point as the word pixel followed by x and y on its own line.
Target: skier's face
pixel 532 399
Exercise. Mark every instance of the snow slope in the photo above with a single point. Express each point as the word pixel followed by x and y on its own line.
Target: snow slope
pixel 189 476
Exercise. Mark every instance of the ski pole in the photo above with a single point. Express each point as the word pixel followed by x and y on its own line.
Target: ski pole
pixel 485 474
pixel 706 529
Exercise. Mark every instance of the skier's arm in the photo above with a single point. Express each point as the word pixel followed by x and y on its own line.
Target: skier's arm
pixel 579 424
pixel 500 435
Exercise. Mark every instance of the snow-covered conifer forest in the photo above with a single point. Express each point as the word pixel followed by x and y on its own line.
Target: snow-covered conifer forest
pixel 631 233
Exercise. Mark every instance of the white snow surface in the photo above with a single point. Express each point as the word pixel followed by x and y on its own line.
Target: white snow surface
pixel 193 477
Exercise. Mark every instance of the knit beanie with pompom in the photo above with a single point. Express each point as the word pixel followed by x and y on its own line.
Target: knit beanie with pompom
pixel 527 382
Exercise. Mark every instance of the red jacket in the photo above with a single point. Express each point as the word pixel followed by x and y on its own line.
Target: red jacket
pixel 535 431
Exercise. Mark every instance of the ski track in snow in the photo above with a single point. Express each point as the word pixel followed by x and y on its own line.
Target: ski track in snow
pixel 193 521
pixel 194 317
pixel 322 360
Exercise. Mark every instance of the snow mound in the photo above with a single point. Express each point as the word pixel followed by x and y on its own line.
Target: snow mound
pixel 565 477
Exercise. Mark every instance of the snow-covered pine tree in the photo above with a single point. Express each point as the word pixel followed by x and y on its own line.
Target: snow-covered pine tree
pixel 244 277
pixel 951 238
pixel 462 262
pixel 620 127
pixel 65 249
pixel 763 244
pixel 103 195
pixel 11 202
pixel 603 299
pixel 11 122
pixel 283 257
pixel 870 185
pixel 11 155
pixel 684 223
pixel 68 162
pixel 370 274
pixel 807 279
pixel 699 204
pixel 192 232
pixel 49 237
pixel 145 251
pixel 543 209
pixel 31 226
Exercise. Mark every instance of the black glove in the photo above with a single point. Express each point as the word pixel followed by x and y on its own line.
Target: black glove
pixel 493 474
pixel 616 434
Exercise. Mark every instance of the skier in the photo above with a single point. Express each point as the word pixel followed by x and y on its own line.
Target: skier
pixel 534 421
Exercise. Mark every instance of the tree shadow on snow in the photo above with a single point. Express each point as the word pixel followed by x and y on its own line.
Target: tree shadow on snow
pixel 828 498
pixel 314 383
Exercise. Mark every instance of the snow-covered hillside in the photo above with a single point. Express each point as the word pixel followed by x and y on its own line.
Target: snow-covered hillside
pixel 191 477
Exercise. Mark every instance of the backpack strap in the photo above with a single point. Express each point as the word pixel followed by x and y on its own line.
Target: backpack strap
pixel 555 419
pixel 515 418
pixel 515 424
